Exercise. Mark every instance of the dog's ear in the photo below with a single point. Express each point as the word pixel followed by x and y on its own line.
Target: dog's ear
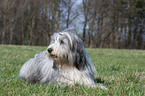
pixel 79 56
pixel 80 61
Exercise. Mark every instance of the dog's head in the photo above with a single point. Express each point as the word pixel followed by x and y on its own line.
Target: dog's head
pixel 68 49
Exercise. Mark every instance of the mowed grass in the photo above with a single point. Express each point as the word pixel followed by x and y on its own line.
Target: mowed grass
pixel 121 71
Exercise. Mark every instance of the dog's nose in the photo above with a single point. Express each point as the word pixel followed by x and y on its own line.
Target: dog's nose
pixel 49 50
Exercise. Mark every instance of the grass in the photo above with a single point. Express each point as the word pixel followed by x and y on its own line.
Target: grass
pixel 122 71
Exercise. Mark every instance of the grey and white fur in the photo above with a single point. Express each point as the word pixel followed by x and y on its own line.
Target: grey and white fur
pixel 64 61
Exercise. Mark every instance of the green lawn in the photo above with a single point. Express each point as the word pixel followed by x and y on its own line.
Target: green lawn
pixel 122 71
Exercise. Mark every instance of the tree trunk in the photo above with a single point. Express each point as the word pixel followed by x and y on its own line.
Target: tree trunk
pixel 4 29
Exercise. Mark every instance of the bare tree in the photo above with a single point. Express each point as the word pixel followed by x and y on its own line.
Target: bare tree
pixel 104 23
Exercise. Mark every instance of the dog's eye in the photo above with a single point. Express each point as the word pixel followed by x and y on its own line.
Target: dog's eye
pixel 61 42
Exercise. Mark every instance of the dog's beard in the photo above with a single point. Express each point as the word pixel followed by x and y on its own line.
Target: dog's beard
pixel 59 62
pixel 62 63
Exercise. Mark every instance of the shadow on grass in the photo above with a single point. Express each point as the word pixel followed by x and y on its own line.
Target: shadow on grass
pixel 99 80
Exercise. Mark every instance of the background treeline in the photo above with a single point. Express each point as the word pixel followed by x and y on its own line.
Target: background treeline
pixel 100 23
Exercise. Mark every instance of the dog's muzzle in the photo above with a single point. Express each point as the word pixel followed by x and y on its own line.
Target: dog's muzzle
pixel 49 50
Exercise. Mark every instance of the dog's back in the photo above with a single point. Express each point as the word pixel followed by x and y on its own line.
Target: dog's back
pixel 38 69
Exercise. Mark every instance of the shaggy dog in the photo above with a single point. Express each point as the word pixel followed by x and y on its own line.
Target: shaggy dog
pixel 64 61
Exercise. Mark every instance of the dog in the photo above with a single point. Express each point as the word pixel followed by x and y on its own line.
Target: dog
pixel 64 61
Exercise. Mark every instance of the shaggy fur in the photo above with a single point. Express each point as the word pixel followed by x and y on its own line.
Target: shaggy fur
pixel 64 61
